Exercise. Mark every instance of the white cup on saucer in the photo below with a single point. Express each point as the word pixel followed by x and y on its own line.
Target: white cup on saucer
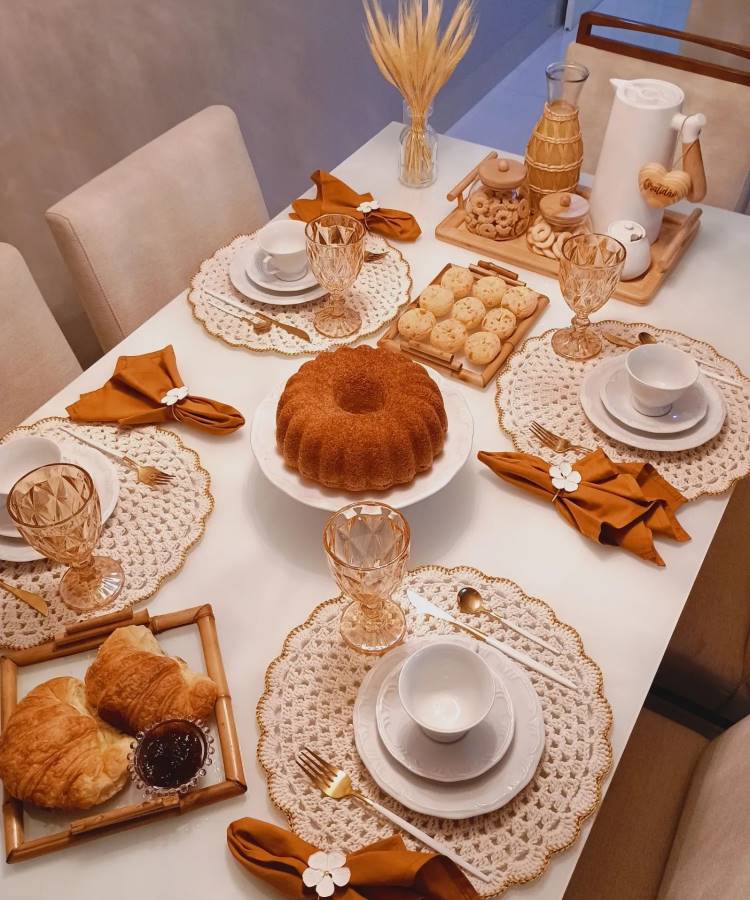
pixel 283 250
pixel 17 457
pixel 447 689
pixel 658 375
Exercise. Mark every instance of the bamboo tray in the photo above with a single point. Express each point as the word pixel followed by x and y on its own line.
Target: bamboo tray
pixel 86 636
pixel 677 232
pixel 454 364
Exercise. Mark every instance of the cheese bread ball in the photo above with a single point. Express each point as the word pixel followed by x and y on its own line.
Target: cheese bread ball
pixel 448 335
pixel 482 347
pixel 501 322
pixel 436 299
pixel 490 290
pixel 416 324
pixel 469 312
pixel 521 301
pixel 459 281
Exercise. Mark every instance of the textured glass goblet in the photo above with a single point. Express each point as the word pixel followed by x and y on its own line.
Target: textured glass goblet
pixel 56 509
pixel 367 545
pixel 336 251
pixel 590 267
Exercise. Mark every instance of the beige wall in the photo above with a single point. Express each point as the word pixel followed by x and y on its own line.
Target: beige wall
pixel 85 82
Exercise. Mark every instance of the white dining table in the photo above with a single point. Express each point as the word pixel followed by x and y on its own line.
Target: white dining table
pixel 261 563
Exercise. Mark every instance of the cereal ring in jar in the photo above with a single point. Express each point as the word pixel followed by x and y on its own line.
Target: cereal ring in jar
pixel 479 202
pixel 541 234
pixel 494 207
pixel 523 208
pixel 519 227
pixel 505 218
pixel 559 241
pixel 486 229
pixel 503 232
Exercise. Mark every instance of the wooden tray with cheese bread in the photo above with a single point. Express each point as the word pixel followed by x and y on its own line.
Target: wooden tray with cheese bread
pixel 490 334
pixel 65 693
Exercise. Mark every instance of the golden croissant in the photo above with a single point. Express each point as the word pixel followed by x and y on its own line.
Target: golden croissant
pixel 56 753
pixel 133 684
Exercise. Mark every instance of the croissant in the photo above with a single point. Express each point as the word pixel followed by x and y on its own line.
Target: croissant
pixel 133 684
pixel 56 753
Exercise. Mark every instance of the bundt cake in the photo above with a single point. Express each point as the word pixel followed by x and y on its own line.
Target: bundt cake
pixel 361 419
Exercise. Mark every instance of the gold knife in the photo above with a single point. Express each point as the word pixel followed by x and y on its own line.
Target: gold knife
pixel 34 600
pixel 240 307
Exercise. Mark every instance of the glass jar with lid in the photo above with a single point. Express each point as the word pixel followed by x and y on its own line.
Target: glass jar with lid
pixel 498 204
pixel 561 215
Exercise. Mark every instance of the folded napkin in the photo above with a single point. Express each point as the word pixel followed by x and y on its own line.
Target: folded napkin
pixel 385 870
pixel 148 389
pixel 623 504
pixel 334 196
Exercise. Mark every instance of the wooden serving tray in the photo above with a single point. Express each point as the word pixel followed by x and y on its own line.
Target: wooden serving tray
pixel 86 636
pixel 677 232
pixel 455 364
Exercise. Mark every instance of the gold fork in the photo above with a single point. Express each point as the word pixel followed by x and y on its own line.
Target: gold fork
pixel 148 475
pixel 336 784
pixel 555 441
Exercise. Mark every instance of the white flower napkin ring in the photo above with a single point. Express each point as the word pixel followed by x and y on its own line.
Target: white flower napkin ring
pixel 564 478
pixel 174 395
pixel 326 872
pixel 368 206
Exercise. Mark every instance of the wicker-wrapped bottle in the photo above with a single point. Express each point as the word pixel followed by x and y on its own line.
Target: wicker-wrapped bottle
pixel 555 150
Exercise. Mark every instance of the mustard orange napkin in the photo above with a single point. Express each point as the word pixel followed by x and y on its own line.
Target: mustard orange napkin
pixel 333 196
pixel 623 504
pixel 385 870
pixel 145 390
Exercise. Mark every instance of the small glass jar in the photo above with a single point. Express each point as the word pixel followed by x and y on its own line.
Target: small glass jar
pixel 417 161
pixel 171 756
pixel 498 203
pixel 561 216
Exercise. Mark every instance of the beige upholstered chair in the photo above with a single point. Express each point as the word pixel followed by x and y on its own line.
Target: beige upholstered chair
pixel 134 235
pixel 674 824
pixel 725 104
pixel 35 359
pixel 708 659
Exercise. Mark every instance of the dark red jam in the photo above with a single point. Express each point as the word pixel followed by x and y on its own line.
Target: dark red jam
pixel 171 754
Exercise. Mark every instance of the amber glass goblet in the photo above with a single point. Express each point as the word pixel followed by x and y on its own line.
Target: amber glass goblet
pixel 590 267
pixel 56 509
pixel 336 250
pixel 367 545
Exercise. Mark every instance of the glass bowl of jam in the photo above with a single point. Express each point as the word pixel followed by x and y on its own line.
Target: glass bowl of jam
pixel 171 756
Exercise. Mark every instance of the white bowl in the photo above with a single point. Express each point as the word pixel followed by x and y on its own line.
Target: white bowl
pixel 658 375
pixel 447 689
pixel 17 457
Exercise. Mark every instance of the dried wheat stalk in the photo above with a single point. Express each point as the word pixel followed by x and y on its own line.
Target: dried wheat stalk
pixel 417 60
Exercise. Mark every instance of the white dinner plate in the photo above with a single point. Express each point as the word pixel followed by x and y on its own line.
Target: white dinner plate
pixel 252 255
pixel 458 443
pixel 595 411
pixel 685 412
pixel 460 799
pixel 241 280
pixel 107 484
pixel 473 755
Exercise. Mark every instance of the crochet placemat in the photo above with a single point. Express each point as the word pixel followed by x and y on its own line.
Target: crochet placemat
pixel 309 698
pixel 538 385
pixel 150 531
pixel 379 293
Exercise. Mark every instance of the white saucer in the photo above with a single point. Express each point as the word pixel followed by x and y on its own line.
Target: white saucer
pixel 456 451
pixel 687 411
pixel 105 480
pixel 240 279
pixel 705 430
pixel 459 799
pixel 252 256
pixel 469 757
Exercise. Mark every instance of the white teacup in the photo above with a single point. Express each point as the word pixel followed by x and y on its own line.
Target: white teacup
pixel 283 248
pixel 17 457
pixel 447 689
pixel 658 375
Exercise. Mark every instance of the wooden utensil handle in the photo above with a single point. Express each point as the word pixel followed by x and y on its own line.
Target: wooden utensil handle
pixel 692 163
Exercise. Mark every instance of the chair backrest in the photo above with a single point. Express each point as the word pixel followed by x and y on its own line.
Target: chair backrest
pixel 133 236
pixel 35 359
pixel 709 856
pixel 724 102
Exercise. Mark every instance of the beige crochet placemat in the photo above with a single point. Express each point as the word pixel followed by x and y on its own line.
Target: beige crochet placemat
pixel 309 697
pixel 150 531
pixel 379 293
pixel 537 384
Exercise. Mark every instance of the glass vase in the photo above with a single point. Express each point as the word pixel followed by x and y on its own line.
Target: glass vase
pixel 417 163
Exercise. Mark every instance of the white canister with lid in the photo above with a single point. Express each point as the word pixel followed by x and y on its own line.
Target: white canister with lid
pixel 632 236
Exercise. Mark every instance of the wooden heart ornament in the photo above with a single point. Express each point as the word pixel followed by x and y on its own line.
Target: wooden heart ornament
pixel 661 188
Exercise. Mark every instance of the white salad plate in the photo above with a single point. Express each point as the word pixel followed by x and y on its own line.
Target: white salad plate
pixel 105 480
pixel 591 402
pixel 458 799
pixel 456 451
pixel 242 258
pixel 253 256
pixel 469 757
pixel 686 411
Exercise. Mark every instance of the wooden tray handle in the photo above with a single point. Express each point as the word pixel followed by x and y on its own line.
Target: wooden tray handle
pixel 77 627
pixel 462 185
pixel 118 816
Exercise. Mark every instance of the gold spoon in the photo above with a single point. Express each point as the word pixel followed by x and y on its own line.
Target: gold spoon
pixel 470 601
pixel 370 256
pixel 34 600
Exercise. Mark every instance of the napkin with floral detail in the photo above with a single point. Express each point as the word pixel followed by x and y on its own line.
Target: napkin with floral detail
pixel 385 870
pixel 622 504
pixel 148 389
pixel 333 196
